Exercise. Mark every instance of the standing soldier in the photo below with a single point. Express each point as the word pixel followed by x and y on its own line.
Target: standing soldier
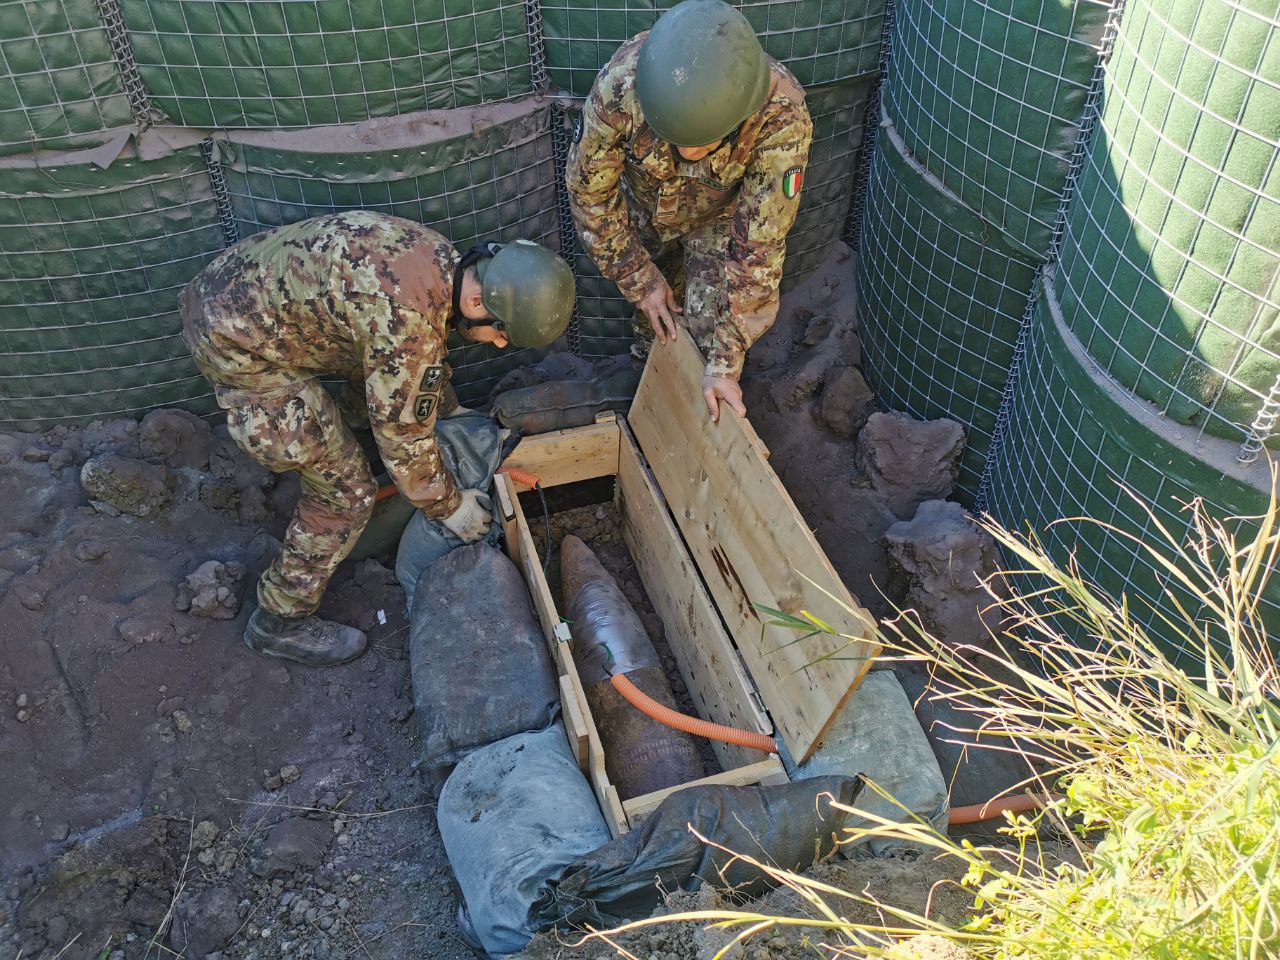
pixel 370 298
pixel 686 167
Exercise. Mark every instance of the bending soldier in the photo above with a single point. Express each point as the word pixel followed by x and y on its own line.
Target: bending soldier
pixel 370 298
pixel 685 172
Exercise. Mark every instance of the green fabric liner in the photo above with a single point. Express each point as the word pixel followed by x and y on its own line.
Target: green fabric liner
pixel 495 185
pixel 1069 443
pixel 313 62
pixel 821 41
pixel 838 112
pixel 989 95
pixel 941 296
pixel 59 87
pixel 88 303
pixel 1171 256
pixel 387 164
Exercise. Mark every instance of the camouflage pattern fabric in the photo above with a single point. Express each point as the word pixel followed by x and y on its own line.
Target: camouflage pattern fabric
pixel 633 197
pixel 360 295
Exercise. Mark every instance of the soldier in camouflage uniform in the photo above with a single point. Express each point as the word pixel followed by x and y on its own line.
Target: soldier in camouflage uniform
pixel 370 298
pixel 685 172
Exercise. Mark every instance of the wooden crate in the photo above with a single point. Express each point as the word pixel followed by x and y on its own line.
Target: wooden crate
pixel 712 533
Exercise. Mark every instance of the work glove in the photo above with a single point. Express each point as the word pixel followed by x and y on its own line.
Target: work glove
pixel 470 522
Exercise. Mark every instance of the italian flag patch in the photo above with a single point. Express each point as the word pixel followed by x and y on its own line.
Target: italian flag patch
pixel 791 181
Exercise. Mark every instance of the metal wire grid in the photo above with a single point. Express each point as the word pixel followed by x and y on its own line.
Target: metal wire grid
pixel 467 195
pixel 870 125
pixel 297 63
pixel 1171 254
pixel 821 41
pixel 987 94
pixel 837 112
pixel 59 86
pixel 939 305
pixel 1068 452
pixel 1075 163
pixel 89 281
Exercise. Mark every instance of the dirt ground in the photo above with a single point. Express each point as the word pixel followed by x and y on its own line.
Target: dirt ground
pixel 166 791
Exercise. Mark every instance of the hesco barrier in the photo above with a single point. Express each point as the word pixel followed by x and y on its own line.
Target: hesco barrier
pixel 93 262
pixel 1074 440
pixel 495 184
pixel 821 41
pixel 988 96
pixel 941 295
pixel 838 112
pixel 298 63
pixel 59 86
pixel 1170 259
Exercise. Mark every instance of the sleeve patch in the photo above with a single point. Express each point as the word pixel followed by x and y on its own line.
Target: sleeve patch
pixel 424 407
pixel 792 180
pixel 432 378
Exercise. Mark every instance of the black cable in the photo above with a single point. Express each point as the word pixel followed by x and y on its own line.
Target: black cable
pixel 546 520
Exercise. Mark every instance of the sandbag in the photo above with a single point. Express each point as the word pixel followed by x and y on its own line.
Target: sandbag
pixel 877 735
pixel 561 404
pixel 510 815
pixel 477 657
pixel 788 825
pixel 471 448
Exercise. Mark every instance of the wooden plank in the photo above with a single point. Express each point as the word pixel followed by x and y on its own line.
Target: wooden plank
pixel 752 546
pixel 574 724
pixel 566 456
pixel 521 548
pixel 708 662
pixel 767 771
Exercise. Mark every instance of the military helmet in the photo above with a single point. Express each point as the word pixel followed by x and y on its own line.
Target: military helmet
pixel 700 73
pixel 529 289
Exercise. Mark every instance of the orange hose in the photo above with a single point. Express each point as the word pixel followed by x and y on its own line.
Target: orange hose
pixel 993 808
pixel 389 490
pixel 522 476
pixel 664 715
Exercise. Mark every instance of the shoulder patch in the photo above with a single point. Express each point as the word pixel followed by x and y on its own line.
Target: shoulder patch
pixel 432 377
pixel 792 180
pixel 424 406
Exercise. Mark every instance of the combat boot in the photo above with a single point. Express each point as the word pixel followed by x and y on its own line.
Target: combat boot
pixel 312 641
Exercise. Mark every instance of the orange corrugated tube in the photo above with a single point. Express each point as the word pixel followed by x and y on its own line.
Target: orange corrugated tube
pixel 664 715
pixel 978 812
pixel 522 476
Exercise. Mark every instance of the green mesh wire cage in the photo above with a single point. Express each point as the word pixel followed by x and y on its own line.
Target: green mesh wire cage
pixel 1074 442
pixel 941 295
pixel 838 112
pixel 59 86
pixel 497 184
pixel 821 41
pixel 988 97
pixel 1172 249
pixel 93 262
pixel 297 63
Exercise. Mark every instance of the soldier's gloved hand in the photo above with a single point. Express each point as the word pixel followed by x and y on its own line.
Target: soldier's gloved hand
pixel 470 522
pixel 716 389
pixel 660 309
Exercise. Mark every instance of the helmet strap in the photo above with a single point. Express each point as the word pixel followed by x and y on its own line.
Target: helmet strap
pixel 469 259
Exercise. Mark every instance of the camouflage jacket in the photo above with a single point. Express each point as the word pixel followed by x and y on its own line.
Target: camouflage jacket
pixel 358 294
pixel 751 184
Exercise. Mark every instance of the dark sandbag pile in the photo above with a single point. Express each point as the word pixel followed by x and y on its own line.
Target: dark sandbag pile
pixel 479 664
pixel 788 825
pixel 512 815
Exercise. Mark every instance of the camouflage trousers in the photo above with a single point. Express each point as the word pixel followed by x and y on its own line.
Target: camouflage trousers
pixel 301 429
pixel 693 265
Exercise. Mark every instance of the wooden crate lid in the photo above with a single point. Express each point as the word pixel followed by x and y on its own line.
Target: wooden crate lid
pixel 752 547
